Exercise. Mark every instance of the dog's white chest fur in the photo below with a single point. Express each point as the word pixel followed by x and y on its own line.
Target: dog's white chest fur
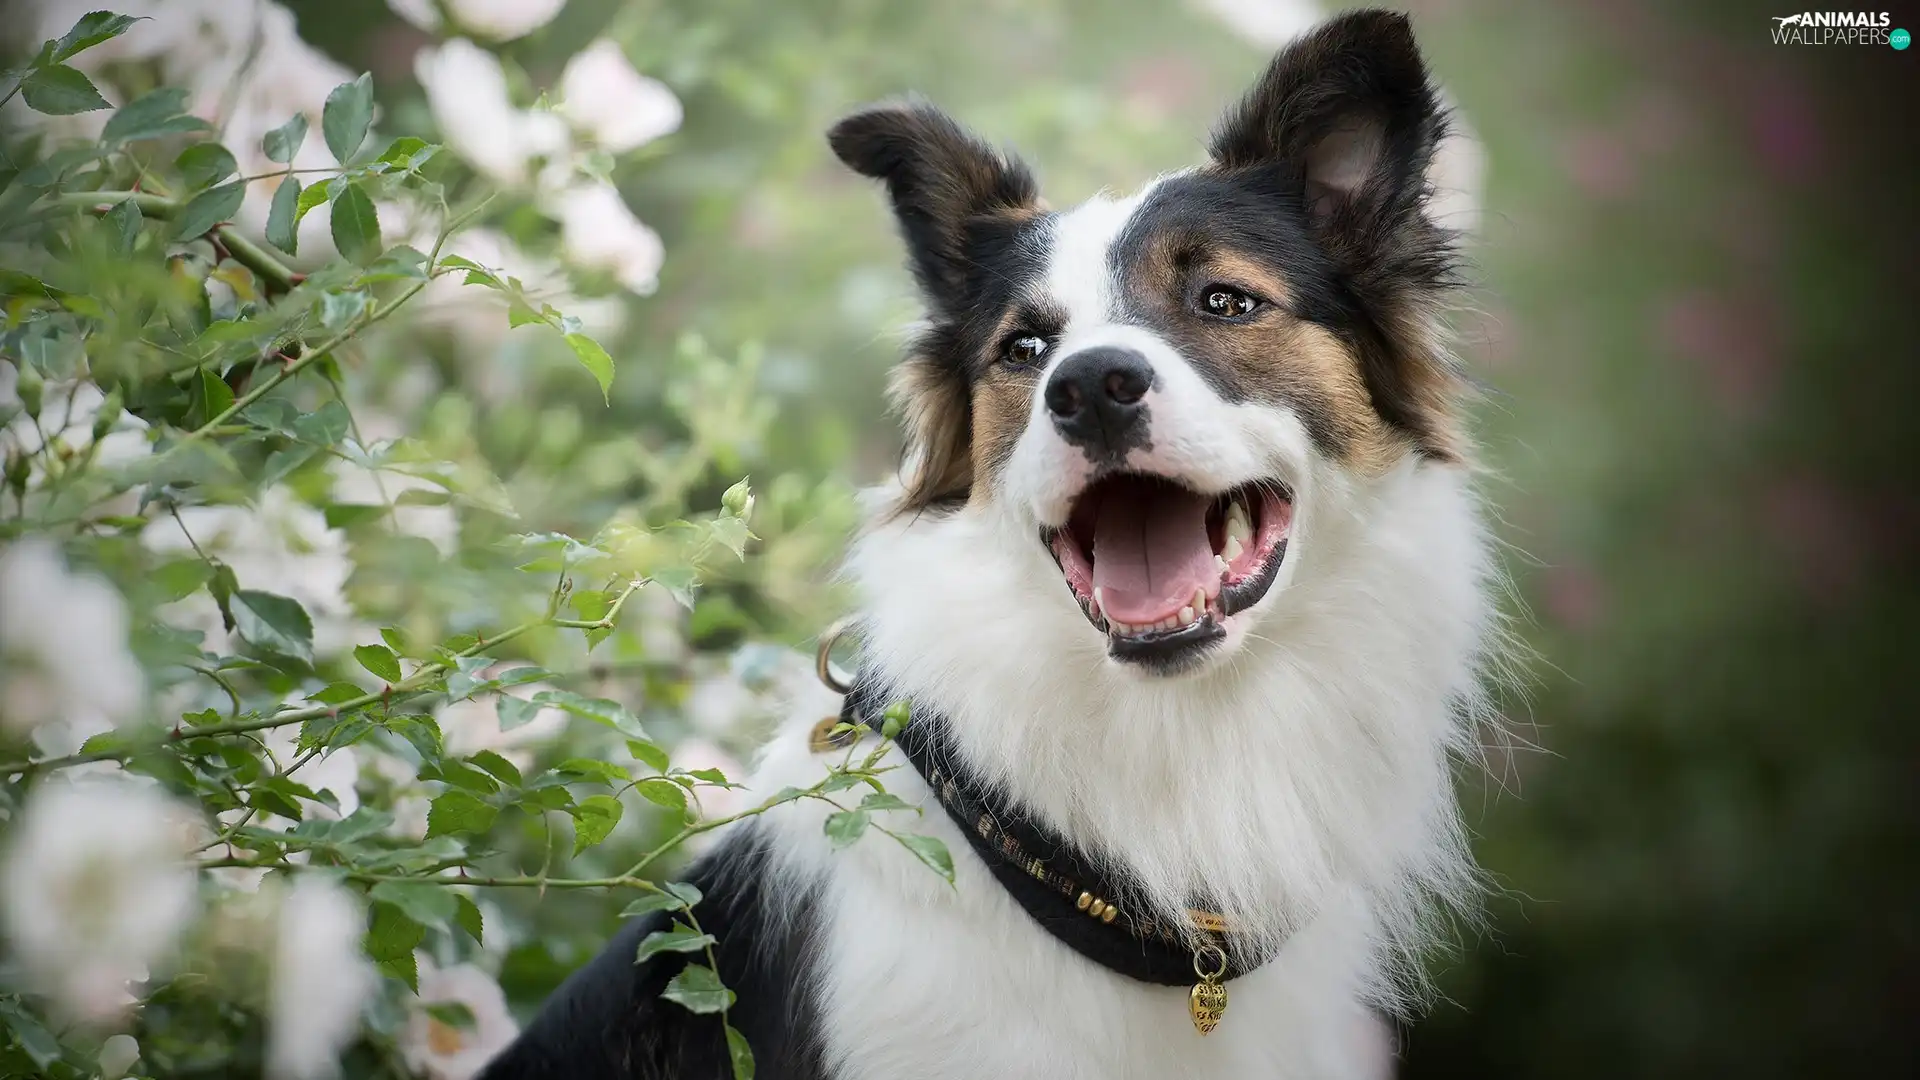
pixel 1308 787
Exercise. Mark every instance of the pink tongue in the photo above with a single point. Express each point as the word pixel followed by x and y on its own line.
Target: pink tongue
pixel 1150 552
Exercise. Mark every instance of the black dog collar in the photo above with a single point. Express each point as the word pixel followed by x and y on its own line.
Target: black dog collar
pixel 1062 888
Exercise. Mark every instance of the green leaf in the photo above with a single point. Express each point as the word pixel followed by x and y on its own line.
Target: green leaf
pixel 594 819
pixel 125 220
pixel 697 989
pixel 515 712
pixel 596 361
pixel 211 397
pixel 59 90
pixel 599 710
pixel 320 192
pixel 405 968
pixel 205 164
pixel 208 209
pixel 650 903
pixel 648 754
pixel 33 1037
pixel 93 28
pixel 680 939
pixel 931 852
pixel 688 894
pixel 429 905
pixel 604 772
pixel 337 693
pixel 453 1014
pixel 337 309
pixel 356 226
pixel 345 119
pixel 380 660
pixel 502 769
pixel 402 152
pixel 273 624
pixel 740 1054
pixel 846 826
pixel 467 916
pixel 151 116
pixel 886 800
pixel 393 934
pixel 458 812
pixel 662 792
pixel 283 218
pixel 282 143
pixel 395 639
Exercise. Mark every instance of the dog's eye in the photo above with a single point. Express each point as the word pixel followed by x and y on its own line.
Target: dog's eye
pixel 1227 302
pixel 1025 350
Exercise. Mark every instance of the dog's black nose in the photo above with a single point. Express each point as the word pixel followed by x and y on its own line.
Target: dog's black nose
pixel 1095 398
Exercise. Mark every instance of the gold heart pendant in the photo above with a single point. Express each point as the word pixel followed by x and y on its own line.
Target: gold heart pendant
pixel 1207 1003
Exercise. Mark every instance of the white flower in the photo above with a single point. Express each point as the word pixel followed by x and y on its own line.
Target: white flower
pixel 616 106
pixel 600 233
pixel 117 1056
pixel 63 644
pixel 467 91
pixel 97 889
pixel 444 1051
pixel 498 20
pixel 320 979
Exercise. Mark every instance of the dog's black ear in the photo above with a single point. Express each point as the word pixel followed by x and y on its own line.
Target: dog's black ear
pixel 1349 120
pixel 950 191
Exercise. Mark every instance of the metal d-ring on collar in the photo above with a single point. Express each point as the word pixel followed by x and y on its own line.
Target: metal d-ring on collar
pixel 823 660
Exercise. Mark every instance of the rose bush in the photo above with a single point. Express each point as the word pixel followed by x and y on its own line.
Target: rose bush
pixel 336 655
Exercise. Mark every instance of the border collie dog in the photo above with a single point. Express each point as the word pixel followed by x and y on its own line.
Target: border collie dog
pixel 1187 585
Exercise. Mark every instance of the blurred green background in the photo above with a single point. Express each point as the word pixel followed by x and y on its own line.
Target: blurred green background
pixel 1696 266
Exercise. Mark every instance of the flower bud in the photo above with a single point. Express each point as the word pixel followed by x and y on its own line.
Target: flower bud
pixel 738 500
pixel 30 387
pixel 896 717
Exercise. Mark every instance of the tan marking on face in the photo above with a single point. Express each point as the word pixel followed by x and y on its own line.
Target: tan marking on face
pixel 1001 403
pixel 933 407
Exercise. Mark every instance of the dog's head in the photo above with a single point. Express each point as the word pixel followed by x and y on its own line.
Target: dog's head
pixel 1153 392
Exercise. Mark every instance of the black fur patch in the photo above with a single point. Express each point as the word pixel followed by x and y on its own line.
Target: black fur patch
pixel 608 1021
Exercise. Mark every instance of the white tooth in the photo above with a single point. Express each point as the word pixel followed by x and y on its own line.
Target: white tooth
pixel 1186 615
pixel 1169 623
pixel 1233 550
pixel 1239 524
pixel 1200 598
pixel 1220 564
pixel 1097 605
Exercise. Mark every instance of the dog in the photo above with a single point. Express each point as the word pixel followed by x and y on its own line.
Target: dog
pixel 1186 584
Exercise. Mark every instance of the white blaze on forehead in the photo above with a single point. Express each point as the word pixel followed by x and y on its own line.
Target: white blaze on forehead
pixel 1079 276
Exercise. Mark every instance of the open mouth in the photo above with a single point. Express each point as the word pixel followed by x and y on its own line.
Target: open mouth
pixel 1159 567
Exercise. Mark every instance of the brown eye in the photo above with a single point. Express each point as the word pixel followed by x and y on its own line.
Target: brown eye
pixel 1026 350
pixel 1226 302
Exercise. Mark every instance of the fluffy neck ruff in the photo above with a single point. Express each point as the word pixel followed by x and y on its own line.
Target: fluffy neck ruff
pixel 1312 769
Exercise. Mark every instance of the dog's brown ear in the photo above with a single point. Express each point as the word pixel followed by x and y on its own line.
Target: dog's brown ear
pixel 951 192
pixel 1347 121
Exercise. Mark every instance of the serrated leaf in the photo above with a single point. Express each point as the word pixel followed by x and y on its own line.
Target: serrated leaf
pixel 282 143
pixel 599 710
pixel 662 792
pixel 348 515
pixel 211 397
pixel 651 903
pixel 455 812
pixel 283 219
pixel 739 1054
pixel 680 939
pixel 58 90
pixel 396 640
pixel 205 164
pixel 380 660
pixel 515 712
pixel 393 934
pixel 931 852
pixel 208 209
pixel 594 818
pixel 886 800
pixel 93 28
pixel 320 191
pixel 337 309
pixel 273 624
pixel 401 151
pixel 337 693
pixel 40 1044
pixel 697 989
pixel 348 113
pixel 428 905
pixel 595 360
pixel 500 768
pixel 687 894
pixel 846 826
pixel 586 768
pixel 467 916
pixel 648 754
pixel 125 220
pixel 151 116
pixel 356 226
pixel 405 968
pixel 324 426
